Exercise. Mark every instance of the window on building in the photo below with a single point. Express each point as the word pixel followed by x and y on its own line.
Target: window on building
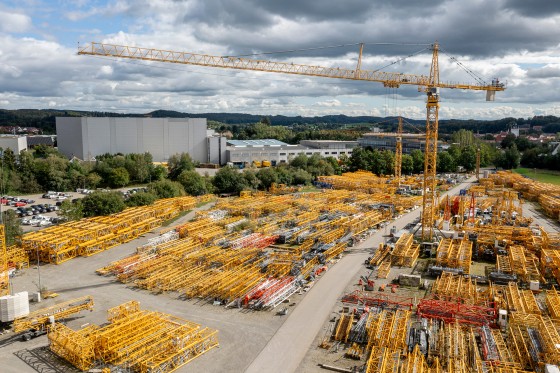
pixel 282 153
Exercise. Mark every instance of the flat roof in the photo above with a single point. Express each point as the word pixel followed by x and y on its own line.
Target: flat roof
pixel 256 143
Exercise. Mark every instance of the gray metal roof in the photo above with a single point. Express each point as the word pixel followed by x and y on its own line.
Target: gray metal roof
pixel 256 143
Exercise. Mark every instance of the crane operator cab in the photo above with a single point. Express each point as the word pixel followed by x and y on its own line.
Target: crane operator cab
pixel 491 95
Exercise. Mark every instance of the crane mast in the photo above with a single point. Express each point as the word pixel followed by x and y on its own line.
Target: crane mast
pixel 429 84
pixel 398 152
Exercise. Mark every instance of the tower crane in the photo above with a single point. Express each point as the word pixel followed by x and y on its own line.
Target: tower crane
pixel 398 152
pixel 478 164
pixel 430 84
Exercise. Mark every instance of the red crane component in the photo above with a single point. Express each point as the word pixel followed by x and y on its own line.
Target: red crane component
pixel 456 311
pixel 378 300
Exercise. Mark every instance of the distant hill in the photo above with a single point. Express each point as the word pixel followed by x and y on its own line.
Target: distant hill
pixel 45 120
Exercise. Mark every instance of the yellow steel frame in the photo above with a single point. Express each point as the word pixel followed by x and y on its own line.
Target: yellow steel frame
pixel 40 318
pixel 4 277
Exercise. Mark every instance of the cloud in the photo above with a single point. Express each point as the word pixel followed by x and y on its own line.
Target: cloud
pixel 13 22
pixel 502 38
pixel 548 71
pixel 329 103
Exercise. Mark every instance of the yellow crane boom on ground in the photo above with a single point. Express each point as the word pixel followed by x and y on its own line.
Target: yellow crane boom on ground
pixel 4 275
pixel 38 320
pixel 429 84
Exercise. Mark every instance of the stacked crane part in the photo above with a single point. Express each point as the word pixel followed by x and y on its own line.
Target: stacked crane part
pixel 17 257
pixel 453 253
pixel 533 340
pixel 553 303
pixel 343 327
pixel 247 268
pixel 380 254
pixel 522 301
pixel 134 340
pixel 87 237
pixel 452 286
pixel 405 252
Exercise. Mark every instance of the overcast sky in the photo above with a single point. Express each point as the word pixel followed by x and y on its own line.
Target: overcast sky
pixel 513 40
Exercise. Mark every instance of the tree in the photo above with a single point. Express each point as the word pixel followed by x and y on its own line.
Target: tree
pixel 139 167
pixel 302 177
pixel 512 157
pixel 468 158
pixel 158 173
pixel 12 227
pixel 178 163
pixel 463 138
pixel 228 180
pixel 102 203
pixel 407 165
pixel 193 183
pixel 71 211
pixel 141 199
pixel 523 144
pixel 119 177
pixel 166 189
pixel 359 160
pixel 267 176
pixel 445 162
pixel 93 180
pixel 251 179
pixel 508 141
pixel 417 160
pixel 9 159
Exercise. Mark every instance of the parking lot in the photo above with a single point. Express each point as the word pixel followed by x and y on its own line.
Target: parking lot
pixel 37 211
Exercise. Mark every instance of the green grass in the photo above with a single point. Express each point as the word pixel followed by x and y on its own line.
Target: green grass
pixel 544 176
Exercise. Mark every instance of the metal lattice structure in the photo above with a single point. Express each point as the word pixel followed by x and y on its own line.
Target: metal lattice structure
pixel 139 340
pixel 39 319
pixel 429 84
pixel 4 277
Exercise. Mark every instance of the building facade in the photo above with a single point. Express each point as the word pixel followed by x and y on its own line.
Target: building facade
pixel 88 137
pixel 243 152
pixel 388 141
pixel 13 142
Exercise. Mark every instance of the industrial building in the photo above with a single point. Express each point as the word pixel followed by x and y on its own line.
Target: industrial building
pixel 241 152
pixel 13 142
pixel 388 141
pixel 87 137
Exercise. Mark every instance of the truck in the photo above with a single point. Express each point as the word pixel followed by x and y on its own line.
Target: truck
pixel 35 324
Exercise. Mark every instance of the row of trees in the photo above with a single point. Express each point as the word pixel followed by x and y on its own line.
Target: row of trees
pixel 462 153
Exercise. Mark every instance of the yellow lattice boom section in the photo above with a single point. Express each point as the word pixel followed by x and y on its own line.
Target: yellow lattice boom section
pixel 40 318
pixel 140 340
pixel 87 237
pixel 4 277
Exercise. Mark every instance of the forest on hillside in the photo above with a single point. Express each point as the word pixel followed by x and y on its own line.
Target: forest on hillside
pixel 45 120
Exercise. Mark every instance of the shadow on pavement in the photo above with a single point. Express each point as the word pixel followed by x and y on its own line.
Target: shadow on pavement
pixel 42 360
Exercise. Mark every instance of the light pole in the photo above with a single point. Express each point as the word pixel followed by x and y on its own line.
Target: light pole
pixel 39 270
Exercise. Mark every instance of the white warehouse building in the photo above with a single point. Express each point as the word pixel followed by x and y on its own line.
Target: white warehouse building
pixel 13 142
pixel 88 137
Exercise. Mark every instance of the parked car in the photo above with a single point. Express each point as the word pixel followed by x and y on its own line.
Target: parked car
pixel 20 204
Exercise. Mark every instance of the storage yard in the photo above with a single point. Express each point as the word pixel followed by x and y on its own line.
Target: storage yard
pixel 338 277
